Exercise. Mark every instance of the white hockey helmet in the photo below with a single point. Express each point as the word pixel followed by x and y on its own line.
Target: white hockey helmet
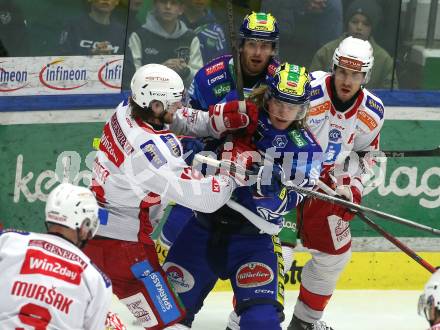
pixel 156 82
pixel 430 297
pixel 354 54
pixel 73 207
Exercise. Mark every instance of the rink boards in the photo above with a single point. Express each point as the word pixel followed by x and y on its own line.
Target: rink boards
pixel 35 146
pixel 368 270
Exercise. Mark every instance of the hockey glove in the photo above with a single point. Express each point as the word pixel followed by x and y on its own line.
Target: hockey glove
pixel 238 161
pixel 227 116
pixel 350 193
pixel 191 146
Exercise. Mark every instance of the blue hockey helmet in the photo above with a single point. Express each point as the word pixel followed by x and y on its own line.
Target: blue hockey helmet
pixel 260 26
pixel 291 85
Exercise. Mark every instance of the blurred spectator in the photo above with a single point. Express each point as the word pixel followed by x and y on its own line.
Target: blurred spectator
pixel 95 33
pixel 14 39
pixel 198 16
pixel 363 16
pixel 165 39
pixel 305 26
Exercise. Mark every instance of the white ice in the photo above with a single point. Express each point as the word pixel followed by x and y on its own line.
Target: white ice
pixel 347 310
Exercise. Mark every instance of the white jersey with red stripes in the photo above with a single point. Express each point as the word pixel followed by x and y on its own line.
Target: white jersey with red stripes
pixel 46 282
pixel 356 129
pixel 138 169
pixel 435 327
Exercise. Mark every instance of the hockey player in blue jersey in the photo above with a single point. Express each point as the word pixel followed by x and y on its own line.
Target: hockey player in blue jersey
pixel 225 244
pixel 259 35
pixel 215 83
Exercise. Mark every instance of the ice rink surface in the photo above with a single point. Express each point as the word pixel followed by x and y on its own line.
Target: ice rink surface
pixel 347 310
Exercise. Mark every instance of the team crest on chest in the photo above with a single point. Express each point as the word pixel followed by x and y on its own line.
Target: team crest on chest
pixel 280 141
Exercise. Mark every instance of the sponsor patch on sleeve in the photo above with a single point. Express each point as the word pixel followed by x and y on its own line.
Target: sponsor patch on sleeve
pixel 375 106
pixel 172 144
pixel 214 68
pixel 153 154
pixel 367 120
pixel 110 148
pixel 106 279
pixel 316 93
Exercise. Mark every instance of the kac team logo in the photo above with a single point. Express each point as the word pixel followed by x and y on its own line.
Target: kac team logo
pixel 60 76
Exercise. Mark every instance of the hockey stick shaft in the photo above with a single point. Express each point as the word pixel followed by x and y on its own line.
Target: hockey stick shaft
pixel 361 208
pixel 330 199
pixel 409 252
pixel 235 51
pixel 403 153
pixel 397 243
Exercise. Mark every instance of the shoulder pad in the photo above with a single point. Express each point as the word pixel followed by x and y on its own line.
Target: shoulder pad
pixel 316 93
pixel 17 231
pixel 216 65
pixel 107 281
pixel 374 104
pixel 153 154
pixel 317 75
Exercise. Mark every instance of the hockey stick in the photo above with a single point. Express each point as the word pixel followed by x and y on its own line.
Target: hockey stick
pixel 330 199
pixel 403 153
pixel 360 208
pixel 397 243
pixel 235 51
pixel 409 252
pixel 262 224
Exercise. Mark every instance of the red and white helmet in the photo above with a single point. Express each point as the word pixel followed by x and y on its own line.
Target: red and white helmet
pixel 156 82
pixel 354 54
pixel 73 207
pixel 430 297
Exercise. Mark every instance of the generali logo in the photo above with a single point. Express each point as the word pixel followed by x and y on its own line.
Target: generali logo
pixel 12 80
pixel 60 76
pixel 110 73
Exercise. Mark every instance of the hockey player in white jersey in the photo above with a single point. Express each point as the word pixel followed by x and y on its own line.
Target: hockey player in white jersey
pixel 138 168
pixel 429 302
pixel 46 281
pixel 344 117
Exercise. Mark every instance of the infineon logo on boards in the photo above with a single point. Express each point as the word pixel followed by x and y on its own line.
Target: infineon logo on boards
pixel 110 73
pixel 61 75
pixel 12 79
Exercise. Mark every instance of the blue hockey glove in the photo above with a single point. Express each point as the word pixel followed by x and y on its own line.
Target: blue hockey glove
pixel 191 146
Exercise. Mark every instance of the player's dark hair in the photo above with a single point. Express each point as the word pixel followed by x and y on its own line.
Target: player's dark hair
pixel 138 112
